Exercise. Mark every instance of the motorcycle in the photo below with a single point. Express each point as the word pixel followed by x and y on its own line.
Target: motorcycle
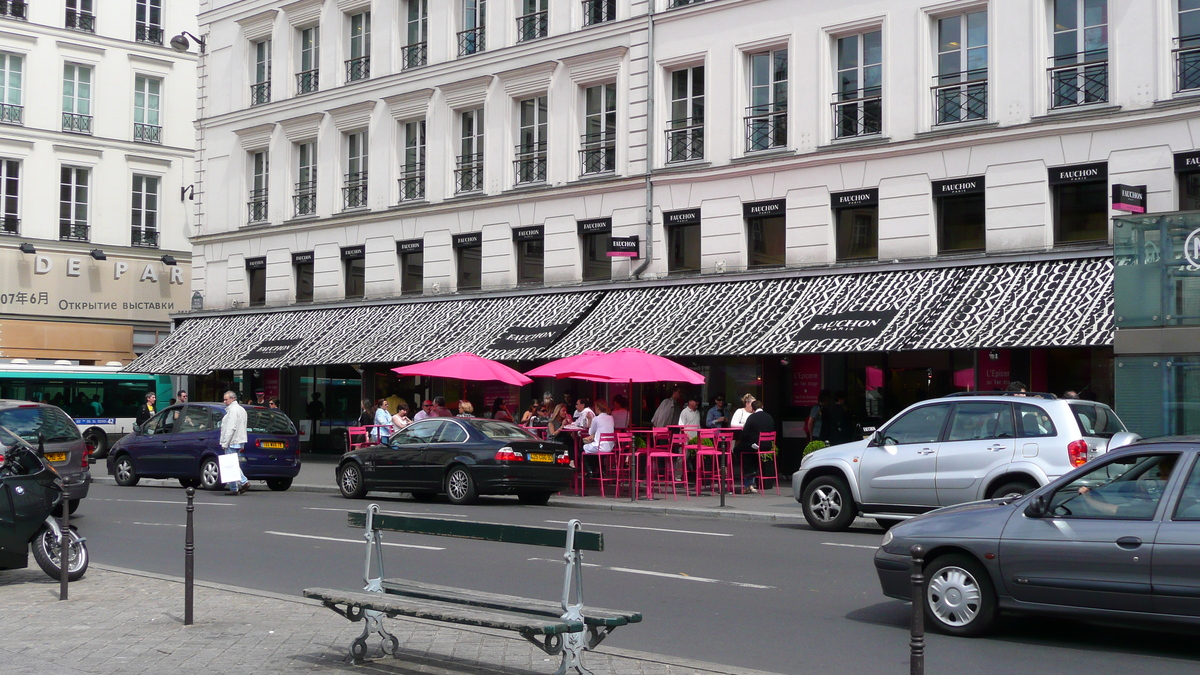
pixel 30 491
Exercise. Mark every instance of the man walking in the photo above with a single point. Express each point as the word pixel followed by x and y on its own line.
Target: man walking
pixel 146 410
pixel 233 438
pixel 181 396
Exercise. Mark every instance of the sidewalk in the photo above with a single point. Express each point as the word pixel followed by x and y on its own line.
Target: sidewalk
pixel 122 621
pixel 316 475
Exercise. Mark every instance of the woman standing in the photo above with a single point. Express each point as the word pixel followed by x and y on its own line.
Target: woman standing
pixel 742 414
pixel 367 415
pixel 383 422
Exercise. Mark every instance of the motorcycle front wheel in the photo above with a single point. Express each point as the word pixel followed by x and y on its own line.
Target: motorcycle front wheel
pixel 46 553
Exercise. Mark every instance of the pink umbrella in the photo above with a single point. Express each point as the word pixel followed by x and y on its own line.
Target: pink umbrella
pixel 466 366
pixel 632 365
pixel 563 365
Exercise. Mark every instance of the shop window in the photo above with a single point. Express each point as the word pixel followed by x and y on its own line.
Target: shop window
pixel 256 280
pixel 1189 190
pixel 683 249
pixel 1081 212
pixel 961 223
pixel 304 281
pixel 596 264
pixel 857 233
pixel 412 272
pixel 354 270
pixel 766 241
pixel 531 261
pixel 470 268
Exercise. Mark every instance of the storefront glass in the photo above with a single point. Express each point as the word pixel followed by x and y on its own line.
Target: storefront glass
pixel 1157 274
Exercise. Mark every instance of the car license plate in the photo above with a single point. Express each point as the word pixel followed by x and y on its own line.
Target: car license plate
pixel 540 457
pixel 56 457
pixel 274 445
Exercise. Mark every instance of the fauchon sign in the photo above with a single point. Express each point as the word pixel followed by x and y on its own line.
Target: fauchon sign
pixel 529 337
pixel 305 258
pixel 847 325
pixel 74 285
pixel 958 186
pixel 1187 162
pixel 354 252
pixel 855 198
pixel 623 247
pixel 684 217
pixel 468 240
pixel 256 263
pixel 410 246
pixel 1078 173
pixel 529 233
pixel 1129 198
pixel 272 349
pixel 594 226
pixel 776 208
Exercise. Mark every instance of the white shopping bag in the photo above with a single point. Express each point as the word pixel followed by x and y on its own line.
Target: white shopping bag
pixel 231 471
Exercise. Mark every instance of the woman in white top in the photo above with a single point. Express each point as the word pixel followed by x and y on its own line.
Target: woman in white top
pixel 742 414
pixel 400 419
pixel 602 423
pixel 383 422
pixel 583 414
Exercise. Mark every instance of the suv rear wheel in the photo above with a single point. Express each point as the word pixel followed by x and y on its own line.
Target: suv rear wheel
pixel 828 505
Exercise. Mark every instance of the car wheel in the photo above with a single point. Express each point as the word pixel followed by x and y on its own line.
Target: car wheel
pixel 828 505
pixel 210 474
pixel 350 481
pixel 1014 488
pixel 460 486
pixel 534 498
pixel 959 596
pixel 123 472
pixel 98 440
pixel 887 523
pixel 279 484
pixel 424 497
pixel 190 482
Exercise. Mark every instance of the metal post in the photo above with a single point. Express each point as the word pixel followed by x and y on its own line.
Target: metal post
pixel 916 645
pixel 189 561
pixel 64 549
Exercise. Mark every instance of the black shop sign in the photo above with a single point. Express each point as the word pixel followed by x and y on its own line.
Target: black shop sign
pixel 776 208
pixel 594 226
pixel 272 349
pixel 529 337
pixel 855 198
pixel 623 247
pixel 684 217
pixel 958 186
pixel 303 258
pixel 847 325
pixel 530 233
pixel 1129 198
pixel 1079 173
pixel 410 246
pixel 1187 162
pixel 468 240
pixel 256 263
pixel 354 252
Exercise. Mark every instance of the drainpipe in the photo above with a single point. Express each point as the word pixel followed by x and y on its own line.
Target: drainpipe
pixel 650 69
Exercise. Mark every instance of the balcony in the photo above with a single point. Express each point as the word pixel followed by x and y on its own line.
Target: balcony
pixel 1187 66
pixel 414 55
pixel 961 97
pixel 1078 79
pixel 354 194
pixel 305 198
pixel 260 93
pixel 683 3
pixel 73 230
pixel 13 9
pixel 258 206
pixel 533 26
pixel 144 32
pixel 76 124
pixel 598 155
pixel 147 133
pixel 862 116
pixel 307 81
pixel 766 127
pixel 468 176
pixel 143 238
pixel 10 224
pixel 84 21
pixel 685 140
pixel 599 11
pixel 12 114
pixel 412 183
pixel 530 163
pixel 358 69
pixel 472 41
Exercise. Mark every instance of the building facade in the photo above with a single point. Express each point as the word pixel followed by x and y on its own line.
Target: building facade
pixel 892 199
pixel 94 255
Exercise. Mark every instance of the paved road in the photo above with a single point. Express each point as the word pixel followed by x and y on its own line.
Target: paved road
pixel 758 595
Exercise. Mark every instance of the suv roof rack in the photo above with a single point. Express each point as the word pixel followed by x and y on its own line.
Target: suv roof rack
pixel 1027 394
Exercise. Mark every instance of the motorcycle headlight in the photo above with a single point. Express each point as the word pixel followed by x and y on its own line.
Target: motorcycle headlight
pixel 887 538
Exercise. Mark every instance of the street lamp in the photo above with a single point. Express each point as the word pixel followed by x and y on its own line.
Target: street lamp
pixel 27 248
pixel 180 42
pixel 97 254
pixel 168 260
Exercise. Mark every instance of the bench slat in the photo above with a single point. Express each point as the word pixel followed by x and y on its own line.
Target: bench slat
pixel 593 616
pixel 447 612
pixel 513 534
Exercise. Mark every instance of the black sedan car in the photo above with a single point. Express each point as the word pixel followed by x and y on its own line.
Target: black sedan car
pixel 460 457
pixel 1116 539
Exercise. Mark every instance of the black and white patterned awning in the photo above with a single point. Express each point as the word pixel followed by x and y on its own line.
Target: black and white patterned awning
pixel 509 329
pixel 1035 304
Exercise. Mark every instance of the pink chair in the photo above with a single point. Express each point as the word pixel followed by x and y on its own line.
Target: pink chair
pixel 662 468
pixel 607 464
pixel 707 458
pixel 765 439
pixel 625 458
pixel 357 437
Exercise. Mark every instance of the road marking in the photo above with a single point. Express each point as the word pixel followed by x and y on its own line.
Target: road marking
pixel 156 501
pixel 669 575
pixel 160 524
pixel 351 541
pixel 402 513
pixel 649 529
pixel 830 543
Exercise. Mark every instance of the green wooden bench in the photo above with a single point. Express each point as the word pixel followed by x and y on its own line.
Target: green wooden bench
pixel 565 628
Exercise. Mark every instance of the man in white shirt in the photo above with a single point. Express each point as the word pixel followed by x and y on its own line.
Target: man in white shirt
pixel 602 423
pixel 425 411
pixel 233 438
pixel 690 417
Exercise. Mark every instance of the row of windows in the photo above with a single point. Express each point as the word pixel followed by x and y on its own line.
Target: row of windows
pixel 75 198
pixel 77 103
pixel 80 15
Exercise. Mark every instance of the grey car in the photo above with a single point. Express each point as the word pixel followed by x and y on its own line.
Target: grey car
pixel 64 447
pixel 1115 539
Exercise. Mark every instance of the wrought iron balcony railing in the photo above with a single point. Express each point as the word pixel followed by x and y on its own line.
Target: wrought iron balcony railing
pixel 147 133
pixel 599 11
pixel 10 224
pixel 144 32
pixel 260 93
pixel 358 69
pixel 685 140
pixel 85 21
pixel 684 3
pixel 468 176
pixel 12 114
pixel 354 193
pixel 1078 79
pixel 73 230
pixel 598 155
pixel 1187 67
pixel 412 183
pixel 76 123
pixel 307 81
pixel 257 206
pixel 533 26
pixel 305 199
pixel 766 127
pixel 145 238
pixel 414 55
pixel 861 116
pixel 13 9
pixel 472 41
pixel 961 97
pixel 530 163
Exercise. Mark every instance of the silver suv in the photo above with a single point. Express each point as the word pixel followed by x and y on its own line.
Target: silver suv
pixel 951 450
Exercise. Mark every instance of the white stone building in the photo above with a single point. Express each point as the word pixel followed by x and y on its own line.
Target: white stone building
pixel 96 146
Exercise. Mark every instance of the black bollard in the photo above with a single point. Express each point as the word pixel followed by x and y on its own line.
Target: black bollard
pixel 189 564
pixel 64 550
pixel 916 645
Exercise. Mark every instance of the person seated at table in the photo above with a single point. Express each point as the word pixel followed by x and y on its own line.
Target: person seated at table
pixel 602 423
pixel 690 417
pixel 540 417
pixel 500 411
pixel 529 413
pixel 620 412
pixel 584 413
pixel 465 409
pixel 557 421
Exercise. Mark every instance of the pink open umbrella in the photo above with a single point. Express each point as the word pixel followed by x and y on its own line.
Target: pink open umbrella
pixel 564 365
pixel 632 365
pixel 466 366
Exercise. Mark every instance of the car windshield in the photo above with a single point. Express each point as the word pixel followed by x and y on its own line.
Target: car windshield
pixel 29 422
pixel 1096 420
pixel 502 431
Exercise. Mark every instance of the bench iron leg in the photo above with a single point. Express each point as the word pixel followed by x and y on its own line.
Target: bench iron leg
pixel 373 623
pixel 573 649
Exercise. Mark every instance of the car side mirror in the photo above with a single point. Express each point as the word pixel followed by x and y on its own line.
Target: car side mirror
pixel 876 439
pixel 1037 507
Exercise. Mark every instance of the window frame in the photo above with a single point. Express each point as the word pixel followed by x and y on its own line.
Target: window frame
pixel 305 195
pixel 865 99
pixel 412 160
pixel 139 211
pixel 685 135
pixel 600 144
pixel 10 195
pixel 533 123
pixel 766 117
pixel 147 89
pixel 962 89
pixel 13 111
pixel 358 46
pixel 74 205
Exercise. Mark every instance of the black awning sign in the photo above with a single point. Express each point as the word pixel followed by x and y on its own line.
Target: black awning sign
pixel 595 226
pixel 684 217
pixel 468 240
pixel 410 246
pixel 1187 162
pixel 855 198
pixel 529 337
pixel 256 263
pixel 770 209
pixel 1130 198
pixel 354 252
pixel 623 247
pixel 272 349
pixel 530 233
pixel 303 258
pixel 958 186
pixel 847 325
pixel 1078 173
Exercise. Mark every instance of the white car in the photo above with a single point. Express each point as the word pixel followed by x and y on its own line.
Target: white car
pixel 961 448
